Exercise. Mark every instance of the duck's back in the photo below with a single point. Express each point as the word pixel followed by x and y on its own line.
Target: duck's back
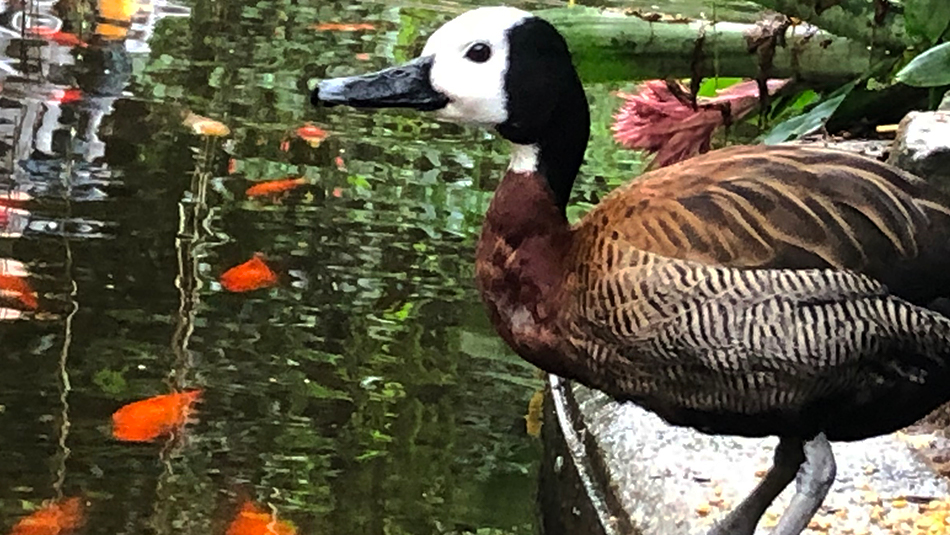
pixel 789 207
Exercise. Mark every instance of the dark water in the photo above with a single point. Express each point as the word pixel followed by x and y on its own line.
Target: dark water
pixel 365 393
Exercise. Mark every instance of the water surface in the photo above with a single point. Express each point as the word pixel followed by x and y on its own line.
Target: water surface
pixel 364 393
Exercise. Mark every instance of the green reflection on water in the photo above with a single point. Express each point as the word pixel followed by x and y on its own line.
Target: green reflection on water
pixel 365 393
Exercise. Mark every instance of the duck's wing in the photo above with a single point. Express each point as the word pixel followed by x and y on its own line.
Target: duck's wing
pixel 789 207
pixel 757 351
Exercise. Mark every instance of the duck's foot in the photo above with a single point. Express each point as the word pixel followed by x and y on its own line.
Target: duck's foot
pixel 789 456
pixel 814 481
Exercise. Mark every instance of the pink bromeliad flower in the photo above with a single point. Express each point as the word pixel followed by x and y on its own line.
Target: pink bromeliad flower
pixel 660 118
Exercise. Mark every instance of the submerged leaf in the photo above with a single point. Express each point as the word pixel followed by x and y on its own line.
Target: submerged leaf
pixel 930 69
pixel 151 418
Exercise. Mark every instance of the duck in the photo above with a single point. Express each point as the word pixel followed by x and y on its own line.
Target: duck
pixel 789 290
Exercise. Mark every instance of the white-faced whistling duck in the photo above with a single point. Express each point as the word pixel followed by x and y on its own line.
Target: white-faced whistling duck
pixel 753 290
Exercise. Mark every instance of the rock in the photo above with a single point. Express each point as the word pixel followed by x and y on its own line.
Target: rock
pixel 922 146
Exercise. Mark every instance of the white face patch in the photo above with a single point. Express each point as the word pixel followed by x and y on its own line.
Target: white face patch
pixel 476 90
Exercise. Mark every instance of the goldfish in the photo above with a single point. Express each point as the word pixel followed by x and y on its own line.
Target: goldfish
pixel 313 135
pixel 58 37
pixel 67 96
pixel 343 26
pixel 274 186
pixel 205 126
pixel 57 518
pixel 253 520
pixel 151 418
pixel 251 275
pixel 17 288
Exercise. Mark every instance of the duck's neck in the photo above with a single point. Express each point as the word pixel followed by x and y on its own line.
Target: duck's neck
pixel 556 150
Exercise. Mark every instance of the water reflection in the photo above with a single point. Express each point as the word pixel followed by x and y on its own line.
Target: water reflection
pixel 363 393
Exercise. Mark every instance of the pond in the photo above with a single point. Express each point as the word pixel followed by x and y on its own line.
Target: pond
pixel 362 392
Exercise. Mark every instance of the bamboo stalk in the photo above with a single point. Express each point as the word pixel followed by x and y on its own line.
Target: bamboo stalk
pixel 609 46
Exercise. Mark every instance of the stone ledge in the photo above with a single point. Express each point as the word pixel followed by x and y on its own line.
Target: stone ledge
pixel 644 476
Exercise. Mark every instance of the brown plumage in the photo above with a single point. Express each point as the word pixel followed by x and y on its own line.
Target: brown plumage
pixel 666 293
pixel 790 207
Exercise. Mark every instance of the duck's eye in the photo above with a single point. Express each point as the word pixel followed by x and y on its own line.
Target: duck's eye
pixel 479 53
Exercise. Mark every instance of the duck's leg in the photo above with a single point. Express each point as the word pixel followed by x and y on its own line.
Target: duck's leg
pixel 742 520
pixel 812 485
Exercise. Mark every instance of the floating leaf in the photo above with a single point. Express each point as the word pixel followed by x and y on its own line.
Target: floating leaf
pixel 343 26
pixel 151 418
pixel 204 126
pixel 808 122
pixel 254 520
pixel 251 275
pixel 58 518
pixel 273 187
pixel 930 69
pixel 927 18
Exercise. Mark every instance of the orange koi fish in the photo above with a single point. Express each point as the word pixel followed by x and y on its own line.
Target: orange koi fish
pixel 251 275
pixel 313 135
pixel 19 289
pixel 151 418
pixel 253 520
pixel 57 518
pixel 274 186
pixel 343 26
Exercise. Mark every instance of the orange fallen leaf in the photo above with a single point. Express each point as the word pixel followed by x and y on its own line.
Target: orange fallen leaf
pixel 57 518
pixel 19 289
pixel 338 161
pixel 232 166
pixel 363 56
pixel 337 192
pixel 343 26
pixel 151 418
pixel 274 186
pixel 285 145
pixel 251 275
pixel 253 520
pixel 205 126
pixel 314 135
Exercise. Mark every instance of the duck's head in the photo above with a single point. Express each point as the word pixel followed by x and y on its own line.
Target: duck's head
pixel 499 67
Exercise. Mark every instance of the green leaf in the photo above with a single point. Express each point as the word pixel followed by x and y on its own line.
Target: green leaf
pixel 930 69
pixel 801 125
pixel 927 18
pixel 710 86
